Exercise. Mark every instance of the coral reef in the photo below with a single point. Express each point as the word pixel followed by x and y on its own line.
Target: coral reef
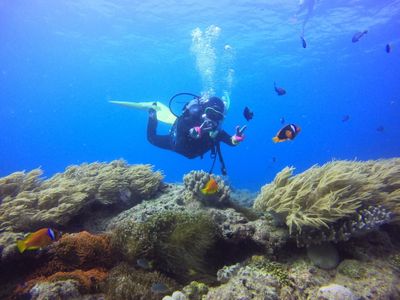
pixel 323 255
pixel 125 283
pixel 79 251
pixel 77 282
pixel 248 283
pixel 167 238
pixel 195 181
pixel 364 192
pixel 54 202
pixel 352 268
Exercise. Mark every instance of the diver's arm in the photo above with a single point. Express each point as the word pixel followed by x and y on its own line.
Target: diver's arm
pixel 224 137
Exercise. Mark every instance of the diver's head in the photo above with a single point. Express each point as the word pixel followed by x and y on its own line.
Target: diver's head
pixel 214 109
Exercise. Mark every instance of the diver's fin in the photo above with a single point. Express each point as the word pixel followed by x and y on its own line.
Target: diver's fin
pixel 163 112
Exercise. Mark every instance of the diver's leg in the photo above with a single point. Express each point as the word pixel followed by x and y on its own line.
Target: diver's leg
pixel 162 141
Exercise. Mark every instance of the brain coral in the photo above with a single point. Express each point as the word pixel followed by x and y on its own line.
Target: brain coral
pixel 346 191
pixel 31 202
pixel 195 181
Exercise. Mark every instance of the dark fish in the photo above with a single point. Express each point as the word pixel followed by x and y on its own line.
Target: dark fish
pixel 388 48
pixel 345 118
pixel 280 91
pixel 303 42
pixel 282 120
pixel 380 129
pixel 248 114
pixel 357 36
pixel 273 159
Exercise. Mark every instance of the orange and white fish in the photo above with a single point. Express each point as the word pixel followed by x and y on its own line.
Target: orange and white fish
pixel 288 132
pixel 211 187
pixel 38 239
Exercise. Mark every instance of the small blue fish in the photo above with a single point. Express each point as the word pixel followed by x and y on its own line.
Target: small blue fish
pixel 143 263
pixel 388 48
pixel 345 118
pixel 159 288
pixel 282 120
pixel 380 129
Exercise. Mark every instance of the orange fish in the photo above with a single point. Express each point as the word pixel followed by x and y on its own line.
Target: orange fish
pixel 288 132
pixel 210 188
pixel 38 239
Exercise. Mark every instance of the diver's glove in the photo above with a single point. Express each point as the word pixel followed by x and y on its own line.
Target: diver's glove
pixel 239 136
pixel 195 132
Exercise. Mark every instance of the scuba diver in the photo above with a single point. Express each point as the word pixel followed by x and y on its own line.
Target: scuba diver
pixel 196 131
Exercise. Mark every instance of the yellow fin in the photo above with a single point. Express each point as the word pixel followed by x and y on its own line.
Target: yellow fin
pixel 21 246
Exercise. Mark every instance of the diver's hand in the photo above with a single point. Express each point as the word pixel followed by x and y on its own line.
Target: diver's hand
pixel 239 136
pixel 195 132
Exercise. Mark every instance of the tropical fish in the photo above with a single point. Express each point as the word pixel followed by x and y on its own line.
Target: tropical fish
pixel 211 187
pixel 303 42
pixel 282 120
pixel 357 36
pixel 248 114
pixel 38 239
pixel 380 129
pixel 345 118
pixel 289 132
pixel 280 91
pixel 388 48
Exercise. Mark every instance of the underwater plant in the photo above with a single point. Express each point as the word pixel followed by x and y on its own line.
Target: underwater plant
pixel 30 202
pixel 176 241
pixel 363 193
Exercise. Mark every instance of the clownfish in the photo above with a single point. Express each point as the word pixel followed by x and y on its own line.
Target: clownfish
pixel 211 187
pixel 38 239
pixel 288 132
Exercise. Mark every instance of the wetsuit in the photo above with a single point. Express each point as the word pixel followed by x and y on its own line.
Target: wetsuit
pixel 179 138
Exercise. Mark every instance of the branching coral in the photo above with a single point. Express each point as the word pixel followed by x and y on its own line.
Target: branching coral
pixel 195 181
pixel 176 241
pixel 323 195
pixel 31 202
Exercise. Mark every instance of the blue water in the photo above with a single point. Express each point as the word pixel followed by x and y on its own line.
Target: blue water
pixel 62 61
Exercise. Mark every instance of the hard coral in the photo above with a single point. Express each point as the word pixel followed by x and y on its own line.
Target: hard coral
pixel 33 203
pixel 168 238
pixel 339 190
pixel 195 181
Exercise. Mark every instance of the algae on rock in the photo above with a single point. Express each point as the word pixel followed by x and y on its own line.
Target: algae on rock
pixel 176 241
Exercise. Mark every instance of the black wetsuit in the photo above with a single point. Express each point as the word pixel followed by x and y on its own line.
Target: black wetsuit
pixel 179 138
